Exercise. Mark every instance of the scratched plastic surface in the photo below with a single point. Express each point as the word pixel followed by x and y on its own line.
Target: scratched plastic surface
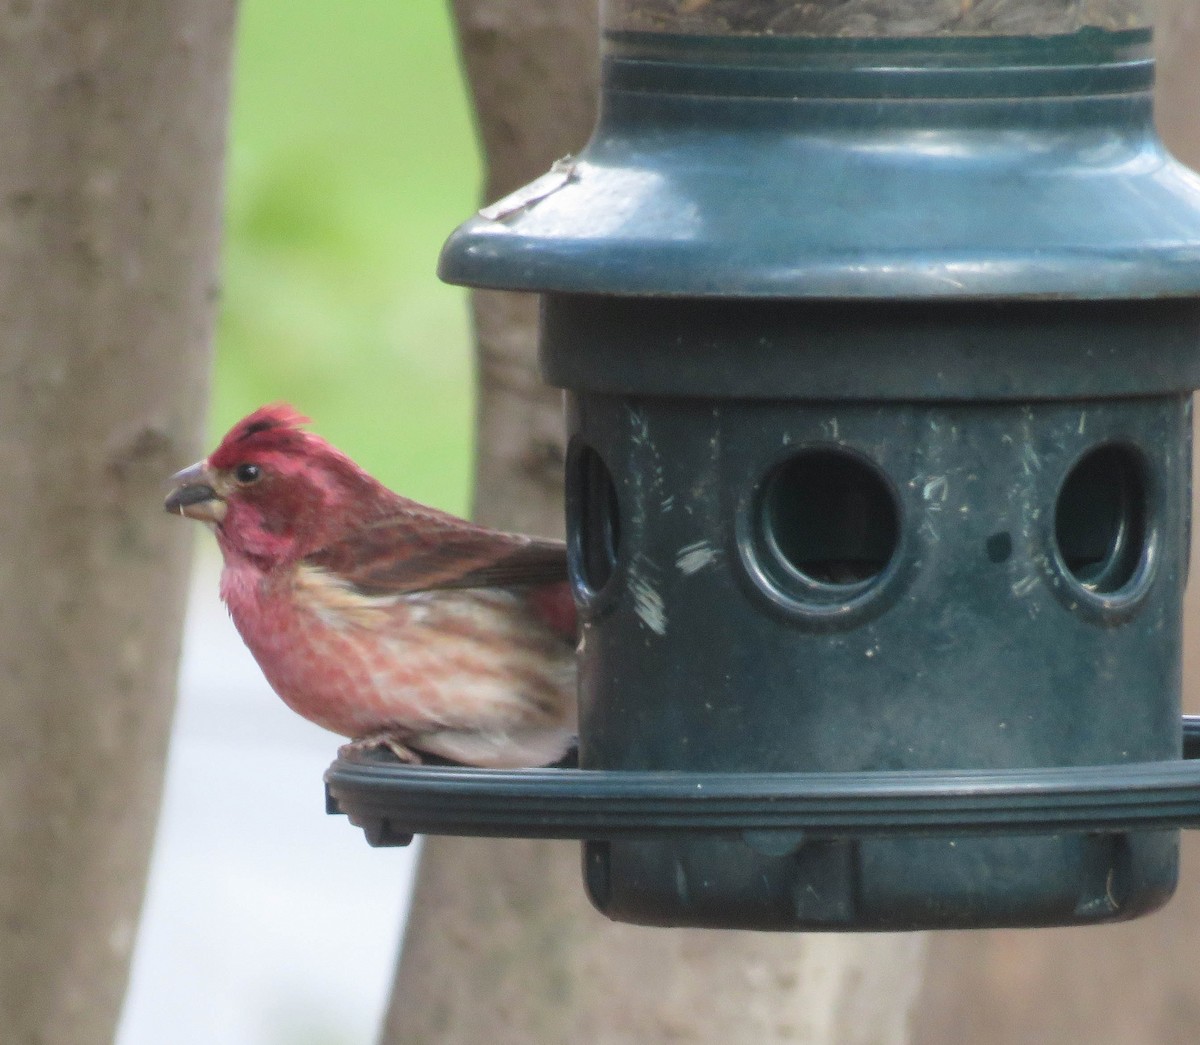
pixel 943 606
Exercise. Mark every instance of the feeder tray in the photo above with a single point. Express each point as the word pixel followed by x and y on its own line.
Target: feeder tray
pixel 392 802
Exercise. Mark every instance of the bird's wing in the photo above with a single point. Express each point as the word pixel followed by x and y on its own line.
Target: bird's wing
pixel 421 549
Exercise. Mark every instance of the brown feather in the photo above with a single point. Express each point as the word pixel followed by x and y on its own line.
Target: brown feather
pixel 422 549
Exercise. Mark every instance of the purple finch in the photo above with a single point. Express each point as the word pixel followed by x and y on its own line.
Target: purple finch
pixel 379 618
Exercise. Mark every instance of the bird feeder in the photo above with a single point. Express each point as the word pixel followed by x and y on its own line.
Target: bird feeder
pixel 878 353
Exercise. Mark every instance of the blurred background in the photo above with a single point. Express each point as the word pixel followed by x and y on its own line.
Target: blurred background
pixel 352 156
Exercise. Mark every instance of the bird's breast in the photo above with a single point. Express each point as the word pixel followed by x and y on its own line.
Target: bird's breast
pixel 356 663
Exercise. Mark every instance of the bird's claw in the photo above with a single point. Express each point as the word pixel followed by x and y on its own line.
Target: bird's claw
pixel 375 741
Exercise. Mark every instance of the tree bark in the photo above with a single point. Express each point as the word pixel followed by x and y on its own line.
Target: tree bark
pixel 501 944
pixel 113 123
pixel 1177 103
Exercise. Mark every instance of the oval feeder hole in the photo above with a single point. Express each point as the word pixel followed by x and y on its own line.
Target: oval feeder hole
pixel 1100 519
pixel 594 519
pixel 831 521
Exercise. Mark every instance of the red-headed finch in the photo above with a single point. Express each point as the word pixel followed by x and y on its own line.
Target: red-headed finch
pixel 379 618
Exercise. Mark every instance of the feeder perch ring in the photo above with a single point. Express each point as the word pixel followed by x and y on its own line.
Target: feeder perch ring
pixel 392 802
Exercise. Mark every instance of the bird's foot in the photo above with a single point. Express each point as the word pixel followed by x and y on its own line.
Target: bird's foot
pixel 374 741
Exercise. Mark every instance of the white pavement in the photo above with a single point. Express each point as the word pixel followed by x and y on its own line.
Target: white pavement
pixel 266 921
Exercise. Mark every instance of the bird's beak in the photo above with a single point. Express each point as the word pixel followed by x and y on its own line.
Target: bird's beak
pixel 194 495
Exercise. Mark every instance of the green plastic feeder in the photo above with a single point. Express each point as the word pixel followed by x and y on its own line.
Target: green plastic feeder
pixel 878 357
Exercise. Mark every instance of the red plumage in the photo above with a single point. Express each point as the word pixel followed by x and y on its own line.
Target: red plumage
pixel 380 618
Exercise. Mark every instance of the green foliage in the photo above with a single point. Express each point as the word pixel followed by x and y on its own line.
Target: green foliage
pixel 351 158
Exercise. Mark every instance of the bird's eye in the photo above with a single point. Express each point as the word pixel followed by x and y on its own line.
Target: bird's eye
pixel 247 474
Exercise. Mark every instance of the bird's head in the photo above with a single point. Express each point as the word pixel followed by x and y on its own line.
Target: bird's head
pixel 274 492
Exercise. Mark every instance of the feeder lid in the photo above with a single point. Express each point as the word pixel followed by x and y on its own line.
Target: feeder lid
pixel 769 167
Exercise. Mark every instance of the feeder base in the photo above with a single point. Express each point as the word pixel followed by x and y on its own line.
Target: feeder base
pixel 946 849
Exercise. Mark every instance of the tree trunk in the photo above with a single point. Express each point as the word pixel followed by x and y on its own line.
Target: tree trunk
pixel 113 123
pixel 501 944
pixel 1177 40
